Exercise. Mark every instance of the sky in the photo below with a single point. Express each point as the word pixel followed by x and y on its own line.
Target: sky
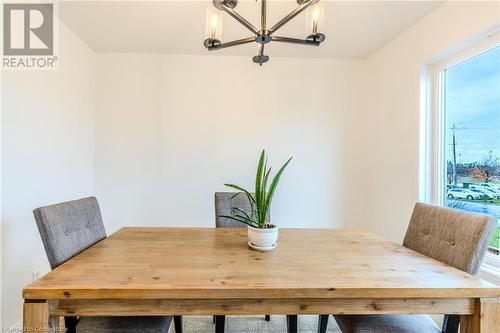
pixel 472 103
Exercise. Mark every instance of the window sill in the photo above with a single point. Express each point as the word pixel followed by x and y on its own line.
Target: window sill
pixel 490 270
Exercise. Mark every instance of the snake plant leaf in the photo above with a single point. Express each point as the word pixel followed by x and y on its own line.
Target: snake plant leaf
pixel 250 200
pixel 242 211
pixel 244 218
pixel 236 218
pixel 249 197
pixel 266 177
pixel 236 194
pixel 258 185
pixel 274 183
pixel 264 195
pixel 249 222
pixel 236 187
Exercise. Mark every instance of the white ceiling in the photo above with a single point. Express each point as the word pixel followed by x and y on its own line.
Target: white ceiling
pixel 354 29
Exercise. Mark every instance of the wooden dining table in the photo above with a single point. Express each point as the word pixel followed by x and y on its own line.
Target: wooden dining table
pixel 208 271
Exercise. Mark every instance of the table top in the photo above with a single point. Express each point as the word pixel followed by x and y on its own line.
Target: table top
pixel 210 263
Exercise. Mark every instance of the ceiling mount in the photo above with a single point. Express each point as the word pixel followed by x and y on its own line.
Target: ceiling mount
pixel 262 35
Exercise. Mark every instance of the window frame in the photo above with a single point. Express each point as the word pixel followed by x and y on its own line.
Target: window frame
pixel 432 168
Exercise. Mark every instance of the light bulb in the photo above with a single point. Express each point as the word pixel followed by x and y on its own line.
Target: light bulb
pixel 213 24
pixel 316 14
pixel 315 20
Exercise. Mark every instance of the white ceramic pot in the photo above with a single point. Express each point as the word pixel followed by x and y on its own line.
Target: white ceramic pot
pixel 263 237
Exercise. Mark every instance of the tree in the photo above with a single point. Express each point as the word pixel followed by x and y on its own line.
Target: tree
pixel 486 170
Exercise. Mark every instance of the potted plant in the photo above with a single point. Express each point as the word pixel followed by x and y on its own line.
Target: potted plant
pixel 262 235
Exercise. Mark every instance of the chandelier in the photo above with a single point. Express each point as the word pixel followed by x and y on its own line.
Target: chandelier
pixel 262 35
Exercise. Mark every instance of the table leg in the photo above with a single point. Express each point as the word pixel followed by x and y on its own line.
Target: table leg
pixel 36 317
pixel 70 324
pixel 486 318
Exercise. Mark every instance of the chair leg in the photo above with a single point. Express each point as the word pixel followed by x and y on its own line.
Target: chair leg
pixel 268 318
pixel 219 324
pixel 178 324
pixel 70 323
pixel 291 323
pixel 322 323
pixel 450 323
pixel 213 319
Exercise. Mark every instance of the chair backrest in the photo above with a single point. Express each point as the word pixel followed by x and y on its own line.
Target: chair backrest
pixel 452 236
pixel 68 228
pixel 224 203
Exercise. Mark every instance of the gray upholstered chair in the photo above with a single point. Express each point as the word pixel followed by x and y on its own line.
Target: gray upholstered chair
pixel 224 205
pixel 454 237
pixel 69 228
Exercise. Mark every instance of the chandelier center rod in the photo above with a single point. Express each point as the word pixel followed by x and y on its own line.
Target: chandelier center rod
pixel 263 14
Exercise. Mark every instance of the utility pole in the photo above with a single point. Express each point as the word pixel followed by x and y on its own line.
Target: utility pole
pixel 454 144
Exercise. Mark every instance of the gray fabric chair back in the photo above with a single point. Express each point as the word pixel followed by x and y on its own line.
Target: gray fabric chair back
pixel 224 203
pixel 68 228
pixel 452 236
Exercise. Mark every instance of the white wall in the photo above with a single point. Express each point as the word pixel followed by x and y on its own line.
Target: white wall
pixel 392 118
pixel 170 130
pixel 47 157
pixel 1 217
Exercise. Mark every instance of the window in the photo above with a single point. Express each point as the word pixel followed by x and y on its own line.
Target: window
pixel 461 155
pixel 472 136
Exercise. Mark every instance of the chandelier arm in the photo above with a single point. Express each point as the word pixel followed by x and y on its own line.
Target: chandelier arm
pixel 295 41
pixel 234 14
pixel 292 14
pixel 232 43
pixel 261 49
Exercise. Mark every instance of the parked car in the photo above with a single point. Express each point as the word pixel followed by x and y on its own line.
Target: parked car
pixel 483 193
pixel 493 187
pixel 450 186
pixel 461 193
pixel 491 193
